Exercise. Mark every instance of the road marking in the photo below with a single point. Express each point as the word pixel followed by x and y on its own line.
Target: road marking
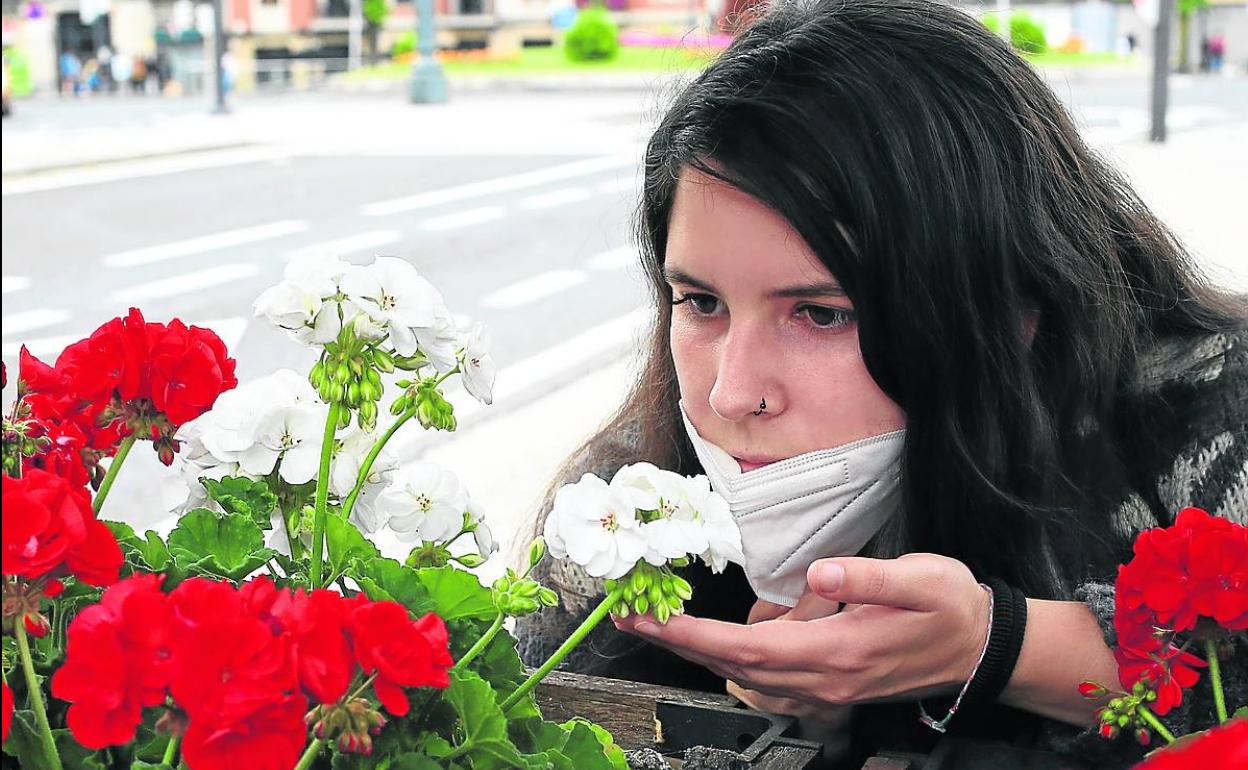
pixel 12 283
pixel 203 243
pixel 32 319
pixel 554 364
pixel 615 259
pixel 556 198
pixel 113 172
pixel 501 184
pixel 230 330
pixel 185 283
pixel 464 218
pixel 45 346
pixel 373 239
pixel 532 289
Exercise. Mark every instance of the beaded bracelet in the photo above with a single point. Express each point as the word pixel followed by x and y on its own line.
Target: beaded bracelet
pixel 940 726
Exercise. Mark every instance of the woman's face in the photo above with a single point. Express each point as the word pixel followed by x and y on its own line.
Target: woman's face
pixel 759 317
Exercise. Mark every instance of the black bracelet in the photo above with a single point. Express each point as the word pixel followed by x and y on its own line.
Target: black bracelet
pixel 1005 641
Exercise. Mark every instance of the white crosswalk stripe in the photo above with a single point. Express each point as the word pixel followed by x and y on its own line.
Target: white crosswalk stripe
pixel 185 283
pixel 214 242
pixel 532 289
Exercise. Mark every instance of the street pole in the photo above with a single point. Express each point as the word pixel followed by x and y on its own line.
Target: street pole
pixel 355 35
pixel 218 53
pixel 1161 68
pixel 428 84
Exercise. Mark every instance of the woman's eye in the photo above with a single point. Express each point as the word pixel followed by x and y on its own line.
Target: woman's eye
pixel 702 304
pixel 826 317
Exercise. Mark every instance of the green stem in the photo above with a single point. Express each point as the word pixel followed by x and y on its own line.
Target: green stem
pixel 51 759
pixel 482 643
pixel 367 466
pixel 1155 723
pixel 170 749
pixel 1215 676
pixel 580 633
pixel 122 450
pixel 309 754
pixel 322 495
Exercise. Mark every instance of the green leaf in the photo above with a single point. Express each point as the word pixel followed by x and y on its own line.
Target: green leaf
pixel 410 761
pixel 346 544
pixel 23 736
pixel 1241 713
pixel 139 764
pixel 591 746
pixel 249 497
pixel 457 594
pixel 483 725
pixel 230 546
pixel 388 580
pixel 75 756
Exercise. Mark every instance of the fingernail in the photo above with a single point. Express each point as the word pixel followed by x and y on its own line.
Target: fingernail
pixel 828 577
pixel 646 628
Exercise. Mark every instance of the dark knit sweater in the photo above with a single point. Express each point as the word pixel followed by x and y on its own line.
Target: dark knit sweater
pixel 1209 470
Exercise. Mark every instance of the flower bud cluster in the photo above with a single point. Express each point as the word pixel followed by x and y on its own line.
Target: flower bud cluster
pixel 349 373
pixel 352 724
pixel 518 595
pixel 1123 712
pixel 649 589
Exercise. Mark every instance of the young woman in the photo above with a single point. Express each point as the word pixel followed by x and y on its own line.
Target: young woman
pixel 869 226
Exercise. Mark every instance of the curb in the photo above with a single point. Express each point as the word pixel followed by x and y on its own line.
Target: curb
pixel 88 163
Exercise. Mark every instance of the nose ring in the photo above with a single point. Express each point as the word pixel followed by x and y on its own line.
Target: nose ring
pixel 762 407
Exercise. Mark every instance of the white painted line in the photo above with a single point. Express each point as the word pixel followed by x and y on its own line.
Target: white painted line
pixel 464 218
pixel 185 283
pixel 556 198
pixel 214 242
pixel 12 283
pixel 373 239
pixel 113 172
pixel 552 364
pixel 32 319
pixel 532 289
pixel 615 259
pixel 501 184
pixel 46 346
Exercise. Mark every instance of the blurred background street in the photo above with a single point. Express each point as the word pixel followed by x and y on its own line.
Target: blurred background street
pixel 515 198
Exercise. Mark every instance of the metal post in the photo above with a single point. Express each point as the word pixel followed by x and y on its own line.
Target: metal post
pixel 355 35
pixel 218 53
pixel 428 82
pixel 1161 68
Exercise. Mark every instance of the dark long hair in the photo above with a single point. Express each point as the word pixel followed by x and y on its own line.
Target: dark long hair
pixel 939 179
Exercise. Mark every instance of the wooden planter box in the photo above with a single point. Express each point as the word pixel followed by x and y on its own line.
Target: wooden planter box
pixel 671 720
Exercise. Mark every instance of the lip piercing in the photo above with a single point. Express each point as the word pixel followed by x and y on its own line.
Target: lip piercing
pixel 762 407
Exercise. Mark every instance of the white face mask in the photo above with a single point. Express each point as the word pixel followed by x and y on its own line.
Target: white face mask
pixel 820 504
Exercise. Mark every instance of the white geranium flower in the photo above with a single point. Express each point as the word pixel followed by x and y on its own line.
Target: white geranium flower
pixel 596 526
pixel 679 530
pixel 440 340
pixel 292 434
pixel 396 297
pixel 424 502
pixel 723 536
pixel 476 364
pixel 484 538
pixel 307 303
pixel 345 471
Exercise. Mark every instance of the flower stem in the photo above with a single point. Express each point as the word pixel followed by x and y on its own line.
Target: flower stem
pixel 309 754
pixel 481 644
pixel 170 749
pixel 122 450
pixel 322 495
pixel 1215 677
pixel 1155 723
pixel 51 759
pixel 367 466
pixel 579 634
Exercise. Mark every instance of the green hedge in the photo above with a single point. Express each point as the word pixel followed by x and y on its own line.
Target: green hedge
pixel 1026 34
pixel 592 37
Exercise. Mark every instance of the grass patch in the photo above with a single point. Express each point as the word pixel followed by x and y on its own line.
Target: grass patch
pixel 1062 59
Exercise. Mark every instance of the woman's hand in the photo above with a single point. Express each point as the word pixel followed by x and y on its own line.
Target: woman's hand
pixel 918 631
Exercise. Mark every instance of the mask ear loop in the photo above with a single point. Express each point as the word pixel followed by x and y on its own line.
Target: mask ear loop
pixel 762 407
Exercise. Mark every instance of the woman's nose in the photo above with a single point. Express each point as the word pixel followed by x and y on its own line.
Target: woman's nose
pixel 745 377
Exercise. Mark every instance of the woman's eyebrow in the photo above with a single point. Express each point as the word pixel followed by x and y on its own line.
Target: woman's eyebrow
pixel 826 289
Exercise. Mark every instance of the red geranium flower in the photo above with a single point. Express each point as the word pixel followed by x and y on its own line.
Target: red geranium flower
pixel 316 624
pixel 189 368
pixel 117 661
pixel 1168 671
pixel 403 652
pixel 6 709
pixel 1222 748
pixel 271 737
pixel 49 526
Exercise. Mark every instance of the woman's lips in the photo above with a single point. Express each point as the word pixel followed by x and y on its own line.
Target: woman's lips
pixel 752 464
